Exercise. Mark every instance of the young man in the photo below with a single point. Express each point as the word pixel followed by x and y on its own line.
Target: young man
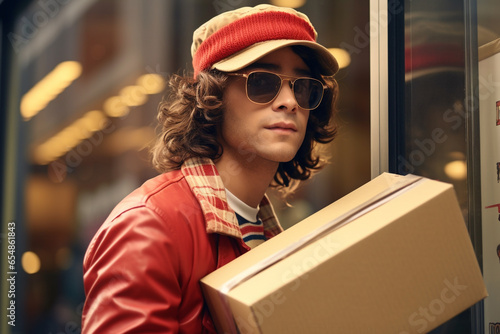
pixel 261 99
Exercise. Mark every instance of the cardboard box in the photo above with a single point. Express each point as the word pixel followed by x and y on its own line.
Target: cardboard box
pixel 394 256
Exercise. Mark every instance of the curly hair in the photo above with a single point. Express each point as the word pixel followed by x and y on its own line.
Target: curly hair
pixel 190 115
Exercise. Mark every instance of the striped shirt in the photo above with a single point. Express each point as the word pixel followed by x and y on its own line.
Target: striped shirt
pixel 252 232
pixel 251 227
pixel 207 186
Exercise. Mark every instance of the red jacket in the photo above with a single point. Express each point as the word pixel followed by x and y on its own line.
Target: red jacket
pixel 143 266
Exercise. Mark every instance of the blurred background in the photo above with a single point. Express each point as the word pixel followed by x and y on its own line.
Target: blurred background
pixel 81 82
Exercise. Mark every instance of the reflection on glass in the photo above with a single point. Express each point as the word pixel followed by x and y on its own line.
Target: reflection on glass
pixel 435 104
pixel 435 114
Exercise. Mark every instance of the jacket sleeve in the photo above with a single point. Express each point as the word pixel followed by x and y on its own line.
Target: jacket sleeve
pixel 131 276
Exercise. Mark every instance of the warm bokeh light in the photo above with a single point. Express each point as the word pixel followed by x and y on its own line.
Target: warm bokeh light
pixel 133 96
pixel 342 56
pixel 47 89
pixel 30 262
pixel 55 147
pixel 69 137
pixel 72 136
pixel 288 3
pixel 43 154
pixel 152 83
pixel 115 107
pixel 456 170
pixel 95 120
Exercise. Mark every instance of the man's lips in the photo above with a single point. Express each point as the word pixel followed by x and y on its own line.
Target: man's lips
pixel 282 126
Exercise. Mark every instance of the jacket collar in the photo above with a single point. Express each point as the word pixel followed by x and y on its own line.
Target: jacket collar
pixel 206 184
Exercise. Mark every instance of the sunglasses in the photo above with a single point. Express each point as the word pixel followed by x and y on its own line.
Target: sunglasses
pixel 263 87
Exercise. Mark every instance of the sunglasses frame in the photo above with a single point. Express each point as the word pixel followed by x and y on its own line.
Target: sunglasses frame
pixel 282 77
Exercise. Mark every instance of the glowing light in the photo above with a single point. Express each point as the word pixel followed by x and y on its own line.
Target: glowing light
pixel 152 83
pixel 94 120
pixel 115 107
pixel 30 262
pixel 456 170
pixel 90 122
pixel 342 56
pixel 47 89
pixel 43 154
pixel 133 95
pixel 69 137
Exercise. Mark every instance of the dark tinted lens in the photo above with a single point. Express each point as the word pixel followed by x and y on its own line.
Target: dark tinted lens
pixel 262 87
pixel 308 93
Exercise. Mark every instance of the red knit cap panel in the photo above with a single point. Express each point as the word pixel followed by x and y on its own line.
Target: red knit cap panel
pixel 247 31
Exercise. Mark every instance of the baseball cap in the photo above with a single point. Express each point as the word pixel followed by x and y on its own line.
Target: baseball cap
pixel 234 39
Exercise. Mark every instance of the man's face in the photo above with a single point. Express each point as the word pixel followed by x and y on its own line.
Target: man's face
pixel 271 132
